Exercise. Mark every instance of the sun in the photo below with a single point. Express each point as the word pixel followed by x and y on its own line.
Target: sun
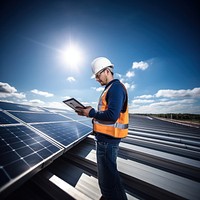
pixel 72 55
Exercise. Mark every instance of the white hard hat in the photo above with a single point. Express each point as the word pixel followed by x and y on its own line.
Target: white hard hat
pixel 100 63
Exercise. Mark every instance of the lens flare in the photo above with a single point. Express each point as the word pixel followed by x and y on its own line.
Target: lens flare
pixel 72 56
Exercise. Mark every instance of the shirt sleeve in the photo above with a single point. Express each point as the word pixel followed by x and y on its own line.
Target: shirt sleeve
pixel 115 98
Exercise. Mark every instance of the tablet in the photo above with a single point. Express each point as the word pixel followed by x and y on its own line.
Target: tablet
pixel 73 103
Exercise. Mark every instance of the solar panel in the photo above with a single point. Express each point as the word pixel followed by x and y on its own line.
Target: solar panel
pixel 38 137
pixel 21 151
pixel 33 117
pixel 76 117
pixel 5 119
pixel 19 107
pixel 66 133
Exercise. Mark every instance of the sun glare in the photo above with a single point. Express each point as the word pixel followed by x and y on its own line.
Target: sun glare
pixel 72 56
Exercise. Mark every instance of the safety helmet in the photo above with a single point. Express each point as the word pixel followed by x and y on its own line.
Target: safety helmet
pixel 100 63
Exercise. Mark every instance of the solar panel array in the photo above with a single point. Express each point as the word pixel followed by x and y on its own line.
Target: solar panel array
pixel 32 137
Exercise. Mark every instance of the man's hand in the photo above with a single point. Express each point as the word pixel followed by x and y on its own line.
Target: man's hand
pixel 83 111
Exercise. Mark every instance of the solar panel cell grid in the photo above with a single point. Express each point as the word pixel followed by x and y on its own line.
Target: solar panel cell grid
pixel 21 149
pixel 19 167
pixel 4 178
pixel 5 119
pixel 65 133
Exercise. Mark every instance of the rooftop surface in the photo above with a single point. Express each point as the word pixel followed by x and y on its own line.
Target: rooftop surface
pixel 158 160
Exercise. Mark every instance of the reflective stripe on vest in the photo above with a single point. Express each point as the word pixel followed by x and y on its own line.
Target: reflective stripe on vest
pixel 119 129
pixel 116 124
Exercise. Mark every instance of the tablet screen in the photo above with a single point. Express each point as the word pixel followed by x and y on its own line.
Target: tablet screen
pixel 73 103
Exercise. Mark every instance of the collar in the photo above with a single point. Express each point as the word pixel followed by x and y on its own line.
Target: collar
pixel 114 80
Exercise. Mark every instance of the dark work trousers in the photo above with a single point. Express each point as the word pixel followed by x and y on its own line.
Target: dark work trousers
pixel 108 175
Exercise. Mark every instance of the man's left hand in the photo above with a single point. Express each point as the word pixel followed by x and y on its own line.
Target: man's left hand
pixel 84 111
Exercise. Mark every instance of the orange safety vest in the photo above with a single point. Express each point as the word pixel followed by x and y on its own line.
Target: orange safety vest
pixel 119 129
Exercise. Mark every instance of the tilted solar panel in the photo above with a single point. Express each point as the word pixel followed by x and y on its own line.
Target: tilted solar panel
pixel 22 151
pixel 86 122
pixel 66 133
pixel 74 116
pixel 19 107
pixel 31 137
pixel 33 117
pixel 5 119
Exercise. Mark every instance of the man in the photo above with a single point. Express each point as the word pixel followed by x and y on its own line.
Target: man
pixel 110 124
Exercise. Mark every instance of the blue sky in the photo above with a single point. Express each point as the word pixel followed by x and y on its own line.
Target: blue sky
pixel 153 44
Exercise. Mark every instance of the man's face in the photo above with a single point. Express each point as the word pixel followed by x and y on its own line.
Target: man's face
pixel 101 77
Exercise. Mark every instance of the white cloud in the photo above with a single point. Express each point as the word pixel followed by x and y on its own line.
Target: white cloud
pixel 130 74
pixel 172 103
pixel 141 101
pixel 8 91
pixel 16 95
pixel 67 97
pixel 181 106
pixel 71 79
pixel 140 65
pixel 145 97
pixel 118 75
pixel 178 93
pixel 45 94
pixel 19 95
pixel 165 101
pixel 37 102
pixel 6 88
pixel 55 104
pixel 129 86
pixel 99 89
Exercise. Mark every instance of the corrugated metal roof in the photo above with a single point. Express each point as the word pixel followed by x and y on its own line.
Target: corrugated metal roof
pixel 158 160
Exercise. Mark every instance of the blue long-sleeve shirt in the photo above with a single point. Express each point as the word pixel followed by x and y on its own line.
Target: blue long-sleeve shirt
pixel 115 98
